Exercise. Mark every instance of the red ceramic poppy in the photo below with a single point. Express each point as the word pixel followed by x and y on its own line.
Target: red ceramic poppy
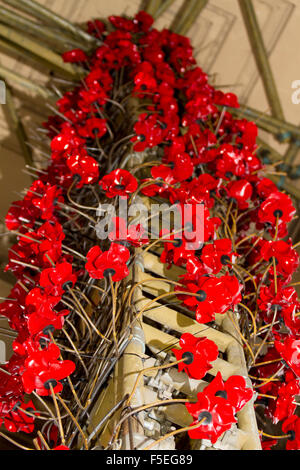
pixel 125 51
pixel 246 134
pixel 197 353
pixel 51 236
pixel 280 298
pixel 226 99
pixel 86 168
pixel 56 281
pixel 266 445
pixel 16 418
pixel 212 295
pixel 118 183
pixel 234 390
pixel 99 79
pixel 21 212
pixel 133 234
pixel 203 146
pixel 93 128
pixel 108 263
pixel 144 80
pixel 149 132
pixel 289 350
pixel 25 344
pixel 40 311
pixel 143 21
pixel 91 99
pixel 96 28
pixel 230 162
pixel 39 300
pixel 291 426
pixel 63 142
pixel 195 269
pixel 46 201
pixel 43 369
pixel 286 258
pixel 176 248
pixel 46 321
pixel 121 23
pixel 285 405
pixel 240 192
pixel 217 255
pixel 74 56
pixel 61 447
pixel 277 206
pixel 265 188
pixel 201 190
pixel 179 169
pixel 217 416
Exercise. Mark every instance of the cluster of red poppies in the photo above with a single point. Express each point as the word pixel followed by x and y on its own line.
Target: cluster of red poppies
pixel 34 307
pixel 207 157
pixel 218 403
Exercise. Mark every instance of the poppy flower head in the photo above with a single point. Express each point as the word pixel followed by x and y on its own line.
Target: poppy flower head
pixel 93 128
pixel 44 371
pixel 214 415
pixel 61 447
pixel 234 390
pixel 289 350
pixel 119 183
pixel 286 258
pixel 143 21
pixel 45 198
pixel 144 80
pixel 133 235
pixel 217 255
pixel 108 263
pixel 149 132
pixel 57 280
pixel 18 416
pixel 212 295
pixel 74 56
pixel 226 99
pixel 277 206
pixel 84 167
pixel 284 407
pixel 267 444
pixel 265 187
pixel 240 192
pixel 176 249
pixel 96 28
pixel 197 354
pixel 291 426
